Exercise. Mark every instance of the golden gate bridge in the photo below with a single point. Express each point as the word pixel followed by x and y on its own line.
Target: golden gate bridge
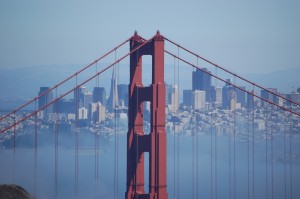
pixel 152 145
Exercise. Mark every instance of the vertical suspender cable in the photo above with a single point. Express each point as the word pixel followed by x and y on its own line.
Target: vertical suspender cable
pixel 216 146
pixel 253 143
pixel 234 139
pixel 14 159
pixel 197 154
pixel 193 163
pixel 291 171
pixel 97 93
pixel 178 193
pixel 229 159
pixel 272 163
pixel 56 141
pixel 193 155
pixel 284 151
pixel 266 150
pixel 211 148
pixel 248 148
pixel 174 144
pixel 35 147
pixel 76 139
pixel 115 126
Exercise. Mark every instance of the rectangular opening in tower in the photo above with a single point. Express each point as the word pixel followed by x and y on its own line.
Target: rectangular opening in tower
pixel 147 70
pixel 146 172
pixel 146 117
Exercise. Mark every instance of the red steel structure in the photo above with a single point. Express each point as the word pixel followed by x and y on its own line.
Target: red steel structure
pixel 138 142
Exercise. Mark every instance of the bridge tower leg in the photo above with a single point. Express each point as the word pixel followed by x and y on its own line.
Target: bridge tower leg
pixel 154 143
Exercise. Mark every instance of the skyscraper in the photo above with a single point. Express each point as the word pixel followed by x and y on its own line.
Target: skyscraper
pixel 173 100
pixel 202 81
pixel 79 95
pixel 113 100
pixel 44 100
pixel 265 94
pixel 218 100
pixel 87 98
pixel 198 100
pixel 187 97
pixel 96 112
pixel 123 93
pixel 99 95
pixel 241 96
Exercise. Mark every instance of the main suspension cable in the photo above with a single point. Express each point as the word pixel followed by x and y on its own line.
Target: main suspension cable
pixel 226 70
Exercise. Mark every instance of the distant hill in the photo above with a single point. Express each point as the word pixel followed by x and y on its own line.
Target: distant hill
pixel 14 192
pixel 24 83
pixel 285 80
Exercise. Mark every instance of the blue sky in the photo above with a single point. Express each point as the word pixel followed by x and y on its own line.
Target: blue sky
pixel 244 36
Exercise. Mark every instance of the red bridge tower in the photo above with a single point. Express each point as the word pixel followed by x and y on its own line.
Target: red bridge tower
pixel 154 143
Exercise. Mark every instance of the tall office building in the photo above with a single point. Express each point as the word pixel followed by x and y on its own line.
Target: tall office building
pixel 173 98
pixel 198 100
pixel 67 106
pixel 227 92
pixel 202 81
pixel 241 96
pixel 113 100
pixel 218 100
pixel 187 98
pixel 99 95
pixel 96 112
pixel 44 100
pixel 269 96
pixel 168 90
pixel 123 94
pixel 87 98
pixel 79 95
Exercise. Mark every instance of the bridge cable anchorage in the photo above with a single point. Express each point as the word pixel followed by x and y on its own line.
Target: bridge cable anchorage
pixel 228 71
pixel 65 80
pixel 231 84
pixel 77 86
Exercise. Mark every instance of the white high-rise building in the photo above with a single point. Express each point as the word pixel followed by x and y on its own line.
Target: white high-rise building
pixel 97 112
pixel 218 96
pixel 173 103
pixel 82 113
pixel 198 99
